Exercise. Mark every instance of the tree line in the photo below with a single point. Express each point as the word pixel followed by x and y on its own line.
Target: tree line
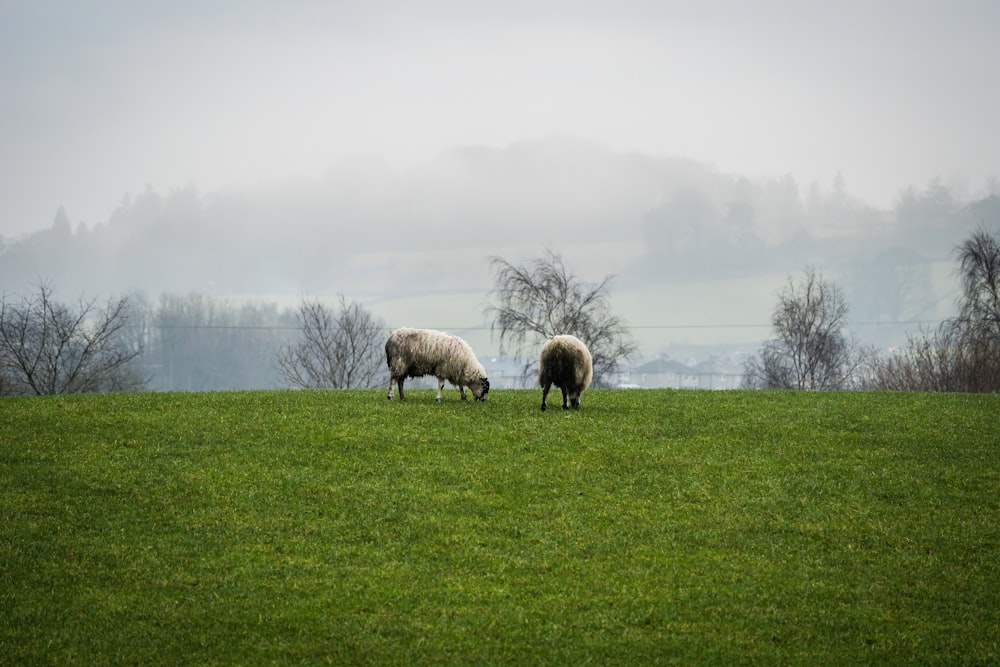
pixel 811 350
pixel 189 343
pixel 688 221
pixel 185 343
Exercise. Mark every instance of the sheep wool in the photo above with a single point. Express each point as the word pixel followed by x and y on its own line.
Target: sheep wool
pixel 566 363
pixel 418 352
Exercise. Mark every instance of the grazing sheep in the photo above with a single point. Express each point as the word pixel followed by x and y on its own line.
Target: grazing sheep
pixel 418 352
pixel 565 362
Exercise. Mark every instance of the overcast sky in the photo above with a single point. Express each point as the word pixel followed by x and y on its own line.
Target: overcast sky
pixel 100 98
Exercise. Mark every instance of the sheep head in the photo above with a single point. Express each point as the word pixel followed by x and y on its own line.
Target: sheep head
pixel 480 388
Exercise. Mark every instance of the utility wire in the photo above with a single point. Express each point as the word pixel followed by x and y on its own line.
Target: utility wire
pixel 265 327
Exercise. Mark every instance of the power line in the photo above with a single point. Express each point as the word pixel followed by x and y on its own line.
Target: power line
pixel 645 327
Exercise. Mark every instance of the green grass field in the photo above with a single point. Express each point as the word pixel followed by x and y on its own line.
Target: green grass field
pixel 289 527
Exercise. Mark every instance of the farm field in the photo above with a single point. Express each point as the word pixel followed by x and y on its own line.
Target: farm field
pixel 650 527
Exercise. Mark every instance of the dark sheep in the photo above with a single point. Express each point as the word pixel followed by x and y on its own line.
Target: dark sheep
pixel 566 363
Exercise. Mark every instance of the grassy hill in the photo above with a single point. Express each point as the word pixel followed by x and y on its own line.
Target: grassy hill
pixel 649 527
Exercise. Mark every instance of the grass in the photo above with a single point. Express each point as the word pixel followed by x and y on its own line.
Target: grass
pixel 649 527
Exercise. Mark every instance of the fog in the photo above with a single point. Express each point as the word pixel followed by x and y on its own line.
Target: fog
pixel 102 98
pixel 701 152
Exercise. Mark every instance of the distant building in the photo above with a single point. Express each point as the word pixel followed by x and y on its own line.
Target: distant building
pixel 714 373
pixel 718 373
pixel 664 374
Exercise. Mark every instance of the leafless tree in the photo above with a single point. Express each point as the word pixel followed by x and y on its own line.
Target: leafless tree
pixel 810 349
pixel 979 275
pixel 339 349
pixel 963 354
pixel 932 361
pixel 48 348
pixel 977 327
pixel 543 298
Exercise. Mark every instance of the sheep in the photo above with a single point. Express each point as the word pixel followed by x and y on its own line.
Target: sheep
pixel 565 362
pixel 419 352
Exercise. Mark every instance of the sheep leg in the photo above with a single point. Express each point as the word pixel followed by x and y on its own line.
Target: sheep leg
pixel 440 389
pixel 399 382
pixel 461 390
pixel 545 393
pixel 565 404
pixel 574 400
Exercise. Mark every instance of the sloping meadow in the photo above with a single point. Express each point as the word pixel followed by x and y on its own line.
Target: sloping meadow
pixel 648 527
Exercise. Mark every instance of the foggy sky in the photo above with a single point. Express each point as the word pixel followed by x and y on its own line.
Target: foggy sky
pixel 101 98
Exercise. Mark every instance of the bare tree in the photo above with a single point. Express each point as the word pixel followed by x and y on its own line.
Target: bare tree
pixel 49 348
pixel 542 298
pixel 810 349
pixel 963 354
pixel 341 350
pixel 977 327
pixel 979 275
pixel 931 361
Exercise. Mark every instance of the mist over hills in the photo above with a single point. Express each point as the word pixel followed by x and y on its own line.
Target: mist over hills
pixel 702 153
pixel 382 235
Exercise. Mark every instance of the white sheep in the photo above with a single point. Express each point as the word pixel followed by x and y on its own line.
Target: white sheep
pixel 419 352
pixel 565 362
